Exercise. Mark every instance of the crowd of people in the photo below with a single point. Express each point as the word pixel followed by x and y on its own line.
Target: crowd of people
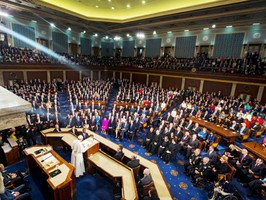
pixel 160 114
pixel 252 64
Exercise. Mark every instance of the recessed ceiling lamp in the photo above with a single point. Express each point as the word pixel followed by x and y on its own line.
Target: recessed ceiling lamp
pixel 254 24
pixel 154 33
pixel 213 26
pixel 186 30
pixel 128 5
pixel 69 29
pixel 112 8
pixel 52 25
pixel 143 2
pixel 230 26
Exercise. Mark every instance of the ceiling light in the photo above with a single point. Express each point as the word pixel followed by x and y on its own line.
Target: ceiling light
pixel 140 35
pixel 84 32
pixel 4 14
pixel 154 33
pixel 112 8
pixel 97 6
pixel 143 2
pixel 128 35
pixel 109 0
pixel 186 30
pixel 230 26
pixel 213 26
pixel 128 5
pixel 205 28
pixel 69 29
pixel 34 21
pixel 169 32
pixel 254 24
pixel 52 25
pixel 106 37
pixel 116 38
pixel 96 35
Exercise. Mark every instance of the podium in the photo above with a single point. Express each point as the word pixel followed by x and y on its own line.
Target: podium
pixel 52 170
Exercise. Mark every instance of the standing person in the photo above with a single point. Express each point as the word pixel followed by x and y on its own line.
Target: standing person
pixel 77 159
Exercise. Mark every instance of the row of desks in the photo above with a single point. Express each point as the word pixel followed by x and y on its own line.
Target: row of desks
pixel 114 168
pixel 255 148
pixel 226 134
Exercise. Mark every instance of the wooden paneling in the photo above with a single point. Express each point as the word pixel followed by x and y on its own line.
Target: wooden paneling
pixel 95 75
pixel 12 76
pixel 263 98
pixel 117 75
pixel 103 75
pixel 72 75
pixel 56 75
pixel 109 75
pixel 153 78
pixel 37 74
pixel 139 78
pixel 86 74
pixel 247 89
pixel 126 75
pixel 169 82
pixel 192 83
pixel 211 86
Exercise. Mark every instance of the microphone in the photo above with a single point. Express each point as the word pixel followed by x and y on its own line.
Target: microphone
pixel 46 158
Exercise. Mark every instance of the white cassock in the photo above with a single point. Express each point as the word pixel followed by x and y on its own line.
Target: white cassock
pixel 77 157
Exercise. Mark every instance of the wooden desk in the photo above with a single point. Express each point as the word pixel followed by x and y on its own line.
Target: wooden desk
pixel 116 170
pixel 256 149
pixel 57 139
pixel 225 134
pixel 159 182
pixel 12 156
pixel 158 179
pixel 61 185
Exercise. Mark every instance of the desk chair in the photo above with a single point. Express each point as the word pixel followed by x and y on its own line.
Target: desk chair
pixel 146 188
pixel 136 171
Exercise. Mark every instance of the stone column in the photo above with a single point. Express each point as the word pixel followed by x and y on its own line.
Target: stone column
pixel 130 77
pixel 233 90
pixel 25 76
pixel 161 82
pixel 2 79
pixel 48 77
pixel 80 75
pixel 201 86
pixel 183 84
pixel 260 93
pixel 147 79
pixel 64 75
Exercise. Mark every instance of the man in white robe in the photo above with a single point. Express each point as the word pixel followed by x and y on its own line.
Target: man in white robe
pixel 78 148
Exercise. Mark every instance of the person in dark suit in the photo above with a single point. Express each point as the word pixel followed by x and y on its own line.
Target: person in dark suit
pixel 205 115
pixel 147 179
pixel 234 126
pixel 84 133
pixel 220 168
pixel 74 131
pixel 243 130
pixel 256 184
pixel 243 161
pixel 163 146
pixel 193 162
pixel 212 155
pixel 170 151
pixel 57 128
pixel 195 129
pixel 255 170
pixel 189 126
pixel 111 126
pixel 131 130
pixel 148 139
pixel 119 152
pixel 134 162
pixel 183 142
pixel 192 144
pixel 202 171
